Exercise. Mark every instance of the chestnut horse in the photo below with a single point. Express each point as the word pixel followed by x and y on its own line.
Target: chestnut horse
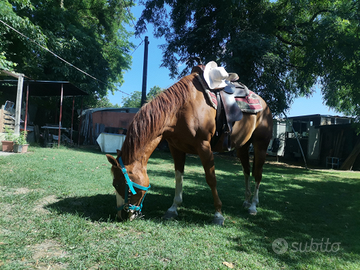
pixel 182 115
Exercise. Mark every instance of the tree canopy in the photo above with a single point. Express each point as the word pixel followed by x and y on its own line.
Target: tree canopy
pixel 280 49
pixel 134 101
pixel 89 34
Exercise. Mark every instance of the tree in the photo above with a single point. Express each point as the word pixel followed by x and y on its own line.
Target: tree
pixel 154 92
pixel 89 34
pixel 280 49
pixel 105 103
pixel 134 101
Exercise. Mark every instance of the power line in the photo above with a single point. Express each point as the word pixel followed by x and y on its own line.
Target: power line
pixel 51 52
pixel 137 47
pixel 133 23
pixel 130 15
pixel 54 54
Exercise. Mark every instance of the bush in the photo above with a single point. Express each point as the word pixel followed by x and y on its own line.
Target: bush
pixel 9 134
pixel 21 140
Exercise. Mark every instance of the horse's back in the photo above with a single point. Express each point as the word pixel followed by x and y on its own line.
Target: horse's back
pixel 253 126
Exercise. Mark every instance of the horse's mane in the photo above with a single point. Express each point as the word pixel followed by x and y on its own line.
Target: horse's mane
pixel 152 117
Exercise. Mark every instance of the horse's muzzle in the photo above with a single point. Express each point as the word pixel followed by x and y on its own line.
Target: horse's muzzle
pixel 130 215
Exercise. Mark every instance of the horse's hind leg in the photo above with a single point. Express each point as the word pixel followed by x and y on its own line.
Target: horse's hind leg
pixel 259 160
pixel 179 162
pixel 243 155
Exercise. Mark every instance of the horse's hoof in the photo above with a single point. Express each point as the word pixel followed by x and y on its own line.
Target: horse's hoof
pixel 170 215
pixel 252 212
pixel 246 204
pixel 218 219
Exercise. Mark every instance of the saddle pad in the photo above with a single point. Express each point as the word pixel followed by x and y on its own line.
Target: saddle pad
pixel 212 98
pixel 248 104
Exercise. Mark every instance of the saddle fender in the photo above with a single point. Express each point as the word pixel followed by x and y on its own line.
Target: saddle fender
pixel 232 110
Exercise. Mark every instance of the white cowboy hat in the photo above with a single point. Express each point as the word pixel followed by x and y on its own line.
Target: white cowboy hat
pixel 215 76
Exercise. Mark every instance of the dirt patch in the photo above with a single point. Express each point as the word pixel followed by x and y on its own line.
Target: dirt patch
pixel 48 249
pixel 18 191
pixel 5 208
pixel 286 165
pixel 7 214
pixel 300 165
pixel 6 191
pixel 40 204
pixel 14 191
pixel 8 208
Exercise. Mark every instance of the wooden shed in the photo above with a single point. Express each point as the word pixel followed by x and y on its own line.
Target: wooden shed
pixel 109 120
pixel 326 140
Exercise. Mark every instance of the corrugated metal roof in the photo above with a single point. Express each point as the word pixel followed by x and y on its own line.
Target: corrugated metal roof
pixel 43 88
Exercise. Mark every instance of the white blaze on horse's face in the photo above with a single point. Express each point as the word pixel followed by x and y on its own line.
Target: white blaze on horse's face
pixel 119 202
pixel 121 214
pixel 122 202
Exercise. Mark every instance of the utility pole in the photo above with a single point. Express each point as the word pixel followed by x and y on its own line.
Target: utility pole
pixel 143 95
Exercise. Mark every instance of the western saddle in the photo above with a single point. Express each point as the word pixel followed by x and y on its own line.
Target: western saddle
pixel 227 110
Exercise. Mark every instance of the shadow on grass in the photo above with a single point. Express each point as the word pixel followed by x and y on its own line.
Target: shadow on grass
pixel 305 207
pixel 295 204
pixel 102 207
pixel 93 149
pixel 95 208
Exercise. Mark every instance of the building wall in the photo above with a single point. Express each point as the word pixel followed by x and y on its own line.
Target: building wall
pixel 313 143
pixel 112 119
pixel 279 130
pixel 98 121
pixel 337 141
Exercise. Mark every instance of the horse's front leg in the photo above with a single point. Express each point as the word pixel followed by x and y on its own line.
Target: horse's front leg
pixel 207 159
pixel 172 211
pixel 179 162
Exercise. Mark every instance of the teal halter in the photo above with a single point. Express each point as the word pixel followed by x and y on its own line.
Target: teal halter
pixel 130 185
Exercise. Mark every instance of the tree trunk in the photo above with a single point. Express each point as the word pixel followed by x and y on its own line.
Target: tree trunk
pixel 349 162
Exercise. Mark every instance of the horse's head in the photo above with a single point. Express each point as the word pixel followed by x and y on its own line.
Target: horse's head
pixel 129 187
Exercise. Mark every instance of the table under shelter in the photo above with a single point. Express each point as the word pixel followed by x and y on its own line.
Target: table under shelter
pixel 39 88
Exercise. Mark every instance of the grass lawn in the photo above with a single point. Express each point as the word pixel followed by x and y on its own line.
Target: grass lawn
pixel 58 212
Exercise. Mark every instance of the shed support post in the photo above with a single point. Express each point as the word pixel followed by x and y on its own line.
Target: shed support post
pixel 61 104
pixel 80 120
pixel 26 107
pixel 72 120
pixel 18 104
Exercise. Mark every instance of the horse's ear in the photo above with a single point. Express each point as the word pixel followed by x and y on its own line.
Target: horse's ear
pixel 198 69
pixel 118 152
pixel 112 160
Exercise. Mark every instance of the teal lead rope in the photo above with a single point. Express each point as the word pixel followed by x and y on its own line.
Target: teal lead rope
pixel 131 185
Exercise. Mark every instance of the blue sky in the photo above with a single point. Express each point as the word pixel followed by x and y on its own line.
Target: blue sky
pixel 159 76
